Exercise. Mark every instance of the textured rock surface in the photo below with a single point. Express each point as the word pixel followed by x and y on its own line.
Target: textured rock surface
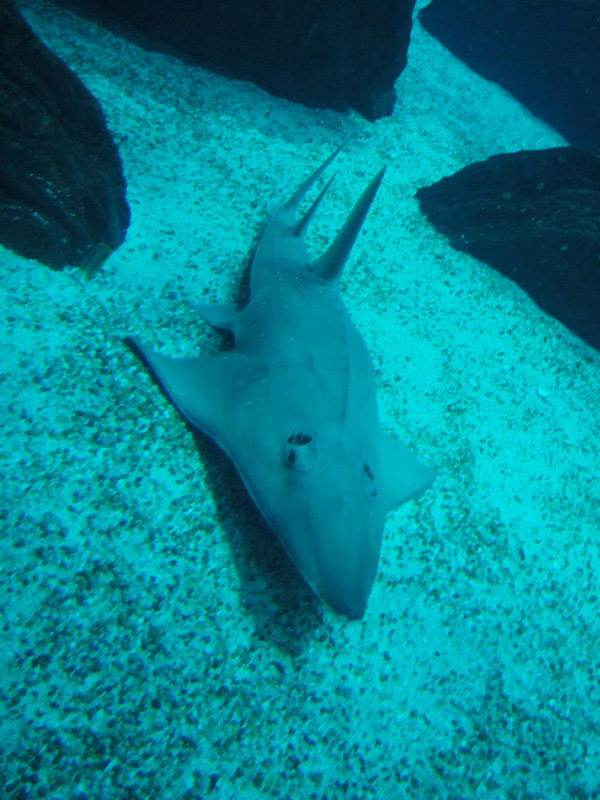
pixel 535 217
pixel 545 52
pixel 62 191
pixel 326 53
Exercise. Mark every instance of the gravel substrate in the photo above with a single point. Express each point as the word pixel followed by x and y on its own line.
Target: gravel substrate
pixel 155 642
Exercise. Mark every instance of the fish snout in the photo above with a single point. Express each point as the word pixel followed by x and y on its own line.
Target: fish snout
pixel 339 557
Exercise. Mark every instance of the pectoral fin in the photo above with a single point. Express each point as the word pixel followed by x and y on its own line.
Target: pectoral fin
pixel 405 476
pixel 195 385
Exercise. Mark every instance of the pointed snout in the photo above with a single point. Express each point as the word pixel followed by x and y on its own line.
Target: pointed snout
pixel 337 554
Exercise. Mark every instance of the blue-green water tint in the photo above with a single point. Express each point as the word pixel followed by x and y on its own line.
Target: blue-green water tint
pixel 155 641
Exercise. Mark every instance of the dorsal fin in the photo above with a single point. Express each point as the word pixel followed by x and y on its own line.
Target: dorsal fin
pixel 303 223
pixel 287 211
pixel 330 265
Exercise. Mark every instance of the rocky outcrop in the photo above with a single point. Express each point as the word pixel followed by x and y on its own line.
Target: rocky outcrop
pixel 535 217
pixel 327 53
pixel 544 52
pixel 62 191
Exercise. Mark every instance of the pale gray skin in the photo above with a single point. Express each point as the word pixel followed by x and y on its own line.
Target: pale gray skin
pixel 293 405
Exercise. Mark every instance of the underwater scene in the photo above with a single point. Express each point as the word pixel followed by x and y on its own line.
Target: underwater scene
pixel 289 511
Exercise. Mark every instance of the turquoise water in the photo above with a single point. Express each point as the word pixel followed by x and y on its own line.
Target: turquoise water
pixel 156 643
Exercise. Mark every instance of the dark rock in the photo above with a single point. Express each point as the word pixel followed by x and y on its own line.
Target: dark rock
pixel 535 217
pixel 326 53
pixel 544 52
pixel 62 191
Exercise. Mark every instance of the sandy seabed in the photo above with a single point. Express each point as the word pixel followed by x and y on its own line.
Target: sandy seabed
pixel 155 641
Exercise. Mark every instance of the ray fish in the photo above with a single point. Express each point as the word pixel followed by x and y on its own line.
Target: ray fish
pixel 293 405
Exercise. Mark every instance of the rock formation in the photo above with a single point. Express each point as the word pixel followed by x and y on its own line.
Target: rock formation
pixel 535 217
pixel 544 52
pixel 62 191
pixel 327 53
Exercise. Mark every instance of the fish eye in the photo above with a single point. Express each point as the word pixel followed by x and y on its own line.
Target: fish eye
pixel 368 481
pixel 299 438
pixel 297 456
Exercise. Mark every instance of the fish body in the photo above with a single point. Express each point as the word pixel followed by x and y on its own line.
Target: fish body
pixel 293 405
